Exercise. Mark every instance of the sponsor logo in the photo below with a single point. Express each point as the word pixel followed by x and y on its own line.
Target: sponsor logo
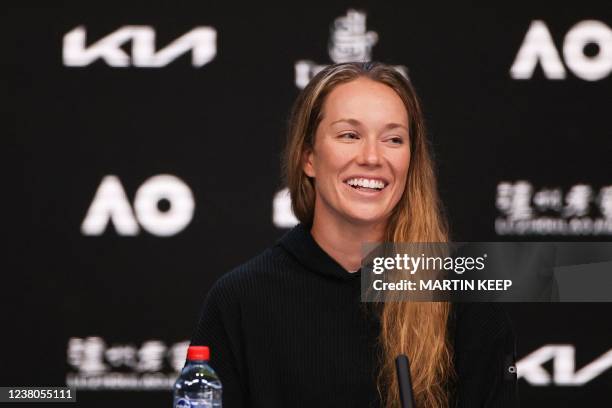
pixel 587 52
pixel 282 214
pixel 349 41
pixel 581 210
pixel 97 366
pixel 531 367
pixel 201 41
pixel 110 204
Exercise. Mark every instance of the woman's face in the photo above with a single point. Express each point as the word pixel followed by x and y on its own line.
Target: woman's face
pixel 361 153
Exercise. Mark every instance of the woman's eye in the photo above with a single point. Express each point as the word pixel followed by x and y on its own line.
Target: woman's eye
pixel 396 140
pixel 349 135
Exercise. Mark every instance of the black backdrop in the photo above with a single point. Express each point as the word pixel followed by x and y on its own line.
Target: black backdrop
pixel 110 305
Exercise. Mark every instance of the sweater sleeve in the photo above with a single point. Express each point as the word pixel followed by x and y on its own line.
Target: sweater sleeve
pixel 485 358
pixel 219 329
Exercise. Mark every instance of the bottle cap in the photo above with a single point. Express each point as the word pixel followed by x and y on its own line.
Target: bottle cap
pixel 198 353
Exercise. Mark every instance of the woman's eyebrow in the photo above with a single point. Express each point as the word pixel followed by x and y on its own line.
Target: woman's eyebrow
pixel 390 126
pixel 350 121
pixel 355 122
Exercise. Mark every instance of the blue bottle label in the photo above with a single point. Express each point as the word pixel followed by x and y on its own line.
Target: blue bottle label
pixel 182 403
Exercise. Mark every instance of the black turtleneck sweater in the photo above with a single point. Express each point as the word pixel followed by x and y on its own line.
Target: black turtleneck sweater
pixel 287 329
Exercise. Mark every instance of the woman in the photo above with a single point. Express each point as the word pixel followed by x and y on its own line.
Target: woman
pixel 287 328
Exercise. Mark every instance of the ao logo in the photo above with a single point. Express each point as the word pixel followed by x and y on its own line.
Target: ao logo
pixel 282 214
pixel 531 367
pixel 538 47
pixel 201 41
pixel 110 203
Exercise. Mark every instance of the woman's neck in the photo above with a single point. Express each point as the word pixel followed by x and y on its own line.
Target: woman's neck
pixel 342 239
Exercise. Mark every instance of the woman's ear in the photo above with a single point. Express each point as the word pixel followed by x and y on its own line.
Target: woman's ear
pixel 307 162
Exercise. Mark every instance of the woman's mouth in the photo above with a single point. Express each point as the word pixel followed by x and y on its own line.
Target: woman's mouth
pixel 366 184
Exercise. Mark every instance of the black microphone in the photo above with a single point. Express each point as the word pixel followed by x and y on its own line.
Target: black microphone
pixel 402 366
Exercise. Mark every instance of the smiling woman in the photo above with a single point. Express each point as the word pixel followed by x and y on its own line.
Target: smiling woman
pixel 287 328
pixel 359 159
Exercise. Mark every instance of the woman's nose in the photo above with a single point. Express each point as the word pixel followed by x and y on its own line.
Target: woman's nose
pixel 369 153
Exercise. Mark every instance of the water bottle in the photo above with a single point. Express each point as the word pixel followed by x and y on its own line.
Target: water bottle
pixel 198 385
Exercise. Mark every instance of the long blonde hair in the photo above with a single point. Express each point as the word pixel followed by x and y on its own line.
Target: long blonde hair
pixel 417 329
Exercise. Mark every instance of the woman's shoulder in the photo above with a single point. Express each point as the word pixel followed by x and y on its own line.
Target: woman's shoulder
pixel 251 274
pixel 477 323
pixel 484 356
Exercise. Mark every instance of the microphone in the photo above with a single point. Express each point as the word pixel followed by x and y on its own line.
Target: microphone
pixel 402 366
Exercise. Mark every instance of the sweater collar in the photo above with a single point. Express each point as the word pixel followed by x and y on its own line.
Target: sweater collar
pixel 300 243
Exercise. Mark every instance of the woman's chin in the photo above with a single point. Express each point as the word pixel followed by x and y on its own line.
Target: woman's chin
pixel 367 218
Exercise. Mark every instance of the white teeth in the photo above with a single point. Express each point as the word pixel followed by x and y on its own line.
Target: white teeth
pixel 368 183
